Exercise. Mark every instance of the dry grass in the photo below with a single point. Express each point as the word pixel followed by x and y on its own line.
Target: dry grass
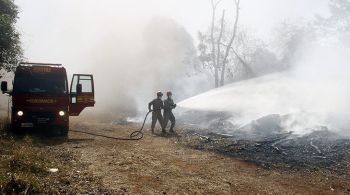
pixel 4 124
pixel 25 163
pixel 23 168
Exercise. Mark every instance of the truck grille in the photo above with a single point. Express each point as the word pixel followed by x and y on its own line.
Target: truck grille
pixel 41 117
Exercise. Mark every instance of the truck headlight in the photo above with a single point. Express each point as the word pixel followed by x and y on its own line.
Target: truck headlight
pixel 61 113
pixel 20 113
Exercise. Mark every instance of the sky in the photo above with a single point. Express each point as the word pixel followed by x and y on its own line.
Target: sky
pixel 111 39
pixel 41 21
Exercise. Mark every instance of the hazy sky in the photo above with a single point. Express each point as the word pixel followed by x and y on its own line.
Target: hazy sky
pixel 45 23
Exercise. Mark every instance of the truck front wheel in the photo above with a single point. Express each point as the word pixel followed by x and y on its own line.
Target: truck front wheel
pixel 64 131
pixel 17 131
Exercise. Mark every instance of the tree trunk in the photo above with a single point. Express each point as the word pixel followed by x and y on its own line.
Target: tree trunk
pixel 213 55
pixel 227 52
pixel 219 40
pixel 213 52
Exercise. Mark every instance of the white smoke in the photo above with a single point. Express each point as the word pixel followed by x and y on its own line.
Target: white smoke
pixel 314 93
pixel 131 58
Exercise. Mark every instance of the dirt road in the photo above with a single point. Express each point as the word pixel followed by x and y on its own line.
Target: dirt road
pixel 159 165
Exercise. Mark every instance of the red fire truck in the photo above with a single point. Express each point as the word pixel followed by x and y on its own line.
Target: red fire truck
pixel 41 99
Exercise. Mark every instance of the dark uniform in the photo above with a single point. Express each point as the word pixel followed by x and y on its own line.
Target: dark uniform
pixel 156 105
pixel 168 113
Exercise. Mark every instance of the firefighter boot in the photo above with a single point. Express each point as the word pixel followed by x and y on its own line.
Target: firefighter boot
pixel 163 131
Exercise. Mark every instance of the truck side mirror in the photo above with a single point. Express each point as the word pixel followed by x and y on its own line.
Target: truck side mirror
pixel 4 86
pixel 79 88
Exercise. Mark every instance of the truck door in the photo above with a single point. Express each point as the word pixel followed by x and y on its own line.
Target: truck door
pixel 82 93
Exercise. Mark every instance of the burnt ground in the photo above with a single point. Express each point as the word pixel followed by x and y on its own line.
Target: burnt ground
pixel 320 150
pixel 194 162
pixel 266 143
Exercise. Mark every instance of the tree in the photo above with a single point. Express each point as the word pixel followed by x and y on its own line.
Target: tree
pixel 289 41
pixel 331 29
pixel 337 25
pixel 218 48
pixel 10 47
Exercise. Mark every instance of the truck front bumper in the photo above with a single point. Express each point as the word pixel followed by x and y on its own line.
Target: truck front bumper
pixel 32 119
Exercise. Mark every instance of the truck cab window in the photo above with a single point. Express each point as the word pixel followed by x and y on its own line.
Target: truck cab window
pixel 85 80
pixel 40 84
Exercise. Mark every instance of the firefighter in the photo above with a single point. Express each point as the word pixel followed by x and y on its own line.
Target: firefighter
pixel 156 107
pixel 168 113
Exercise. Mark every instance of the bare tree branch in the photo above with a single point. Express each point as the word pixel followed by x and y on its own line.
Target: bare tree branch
pixel 215 4
pixel 243 62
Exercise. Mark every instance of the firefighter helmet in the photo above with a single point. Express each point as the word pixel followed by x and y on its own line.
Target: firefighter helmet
pixel 159 94
pixel 169 93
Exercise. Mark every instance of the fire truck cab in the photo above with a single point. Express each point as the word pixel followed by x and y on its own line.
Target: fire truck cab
pixel 41 99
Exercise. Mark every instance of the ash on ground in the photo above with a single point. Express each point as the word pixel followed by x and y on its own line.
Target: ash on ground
pixel 264 142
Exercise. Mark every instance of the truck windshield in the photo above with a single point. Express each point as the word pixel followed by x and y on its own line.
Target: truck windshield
pixel 40 84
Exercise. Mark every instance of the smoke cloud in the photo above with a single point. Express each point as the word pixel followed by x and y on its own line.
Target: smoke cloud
pixel 162 60
pixel 314 93
pixel 131 53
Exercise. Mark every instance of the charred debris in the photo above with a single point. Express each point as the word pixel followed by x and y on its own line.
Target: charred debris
pixel 265 143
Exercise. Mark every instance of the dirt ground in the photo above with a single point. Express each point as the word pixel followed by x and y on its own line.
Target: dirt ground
pixel 153 165
pixel 163 165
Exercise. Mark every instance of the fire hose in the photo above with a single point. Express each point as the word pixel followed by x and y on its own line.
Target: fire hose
pixel 134 136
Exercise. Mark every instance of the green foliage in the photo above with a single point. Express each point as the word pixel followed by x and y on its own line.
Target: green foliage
pixel 10 46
